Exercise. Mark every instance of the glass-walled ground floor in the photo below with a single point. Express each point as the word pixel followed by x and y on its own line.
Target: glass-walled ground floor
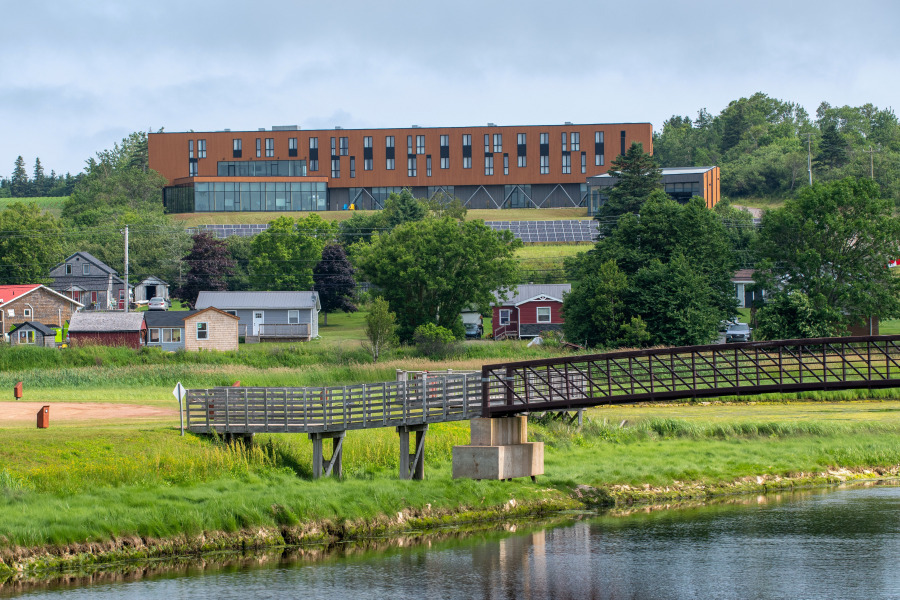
pixel 316 196
pixel 246 197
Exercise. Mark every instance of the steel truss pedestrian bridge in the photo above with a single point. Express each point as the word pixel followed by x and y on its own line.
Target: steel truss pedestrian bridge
pixel 554 384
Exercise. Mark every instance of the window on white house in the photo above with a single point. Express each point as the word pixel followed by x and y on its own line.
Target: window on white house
pixel 543 314
pixel 293 317
pixel 202 331
pixel 504 316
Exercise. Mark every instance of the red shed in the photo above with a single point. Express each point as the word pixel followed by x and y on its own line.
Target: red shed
pixel 107 328
pixel 531 310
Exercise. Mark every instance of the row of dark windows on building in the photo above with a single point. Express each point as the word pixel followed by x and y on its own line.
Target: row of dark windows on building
pixel 415 145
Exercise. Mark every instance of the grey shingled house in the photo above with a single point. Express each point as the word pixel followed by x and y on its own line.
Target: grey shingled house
pixel 268 316
pixel 86 279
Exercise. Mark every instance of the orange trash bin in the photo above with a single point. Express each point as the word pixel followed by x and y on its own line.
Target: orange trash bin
pixel 43 418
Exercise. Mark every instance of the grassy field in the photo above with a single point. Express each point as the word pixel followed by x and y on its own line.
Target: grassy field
pixel 52 205
pixel 81 484
pixel 761 203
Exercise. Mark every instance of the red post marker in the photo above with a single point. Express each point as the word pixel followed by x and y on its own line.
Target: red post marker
pixel 17 390
pixel 236 384
pixel 43 418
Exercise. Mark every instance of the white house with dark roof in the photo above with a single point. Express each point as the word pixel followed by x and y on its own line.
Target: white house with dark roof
pixel 268 315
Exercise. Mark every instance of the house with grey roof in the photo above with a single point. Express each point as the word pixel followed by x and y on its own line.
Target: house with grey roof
pixel 268 316
pixel 530 310
pixel 165 328
pixel 86 279
pixel 107 328
pixel 33 333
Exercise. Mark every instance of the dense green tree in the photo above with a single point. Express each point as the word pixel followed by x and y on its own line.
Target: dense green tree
pixel 741 231
pixel 430 270
pixel 209 265
pixel 677 302
pixel 240 249
pixel 38 182
pixel 118 189
pixel 445 205
pixel 791 315
pixel 594 312
pixel 381 328
pixel 334 280
pixel 678 261
pixel 403 208
pixel 284 254
pixel 30 244
pixel 832 148
pixel 19 184
pixel 638 175
pixel 360 227
pixel 832 243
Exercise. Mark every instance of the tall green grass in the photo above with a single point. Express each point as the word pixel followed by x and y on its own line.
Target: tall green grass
pixel 77 485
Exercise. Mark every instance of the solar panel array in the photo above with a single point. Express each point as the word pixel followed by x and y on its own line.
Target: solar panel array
pixel 581 230
pixel 575 230
pixel 224 231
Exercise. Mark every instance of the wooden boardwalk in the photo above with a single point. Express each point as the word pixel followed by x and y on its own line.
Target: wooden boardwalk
pixel 250 410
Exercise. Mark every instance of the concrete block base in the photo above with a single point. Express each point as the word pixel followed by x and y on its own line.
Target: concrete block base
pixel 498 462
pixel 499 450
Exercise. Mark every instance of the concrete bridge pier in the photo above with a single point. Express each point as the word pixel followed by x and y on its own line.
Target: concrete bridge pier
pixel 412 466
pixel 499 449
pixel 334 465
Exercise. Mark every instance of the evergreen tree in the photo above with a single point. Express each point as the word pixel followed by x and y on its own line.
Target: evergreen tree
pixel 38 182
pixel 333 279
pixel 832 149
pixel 19 182
pixel 638 175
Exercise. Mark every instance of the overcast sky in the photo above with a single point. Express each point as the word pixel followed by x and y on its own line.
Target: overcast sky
pixel 75 77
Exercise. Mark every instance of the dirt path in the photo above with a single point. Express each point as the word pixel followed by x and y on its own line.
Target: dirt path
pixel 16 413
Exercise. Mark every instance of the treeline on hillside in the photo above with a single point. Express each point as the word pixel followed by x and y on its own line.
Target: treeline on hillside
pixel 762 145
pixel 39 185
pixel 661 272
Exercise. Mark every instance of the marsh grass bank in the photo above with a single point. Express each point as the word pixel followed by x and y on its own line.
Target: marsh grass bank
pixel 77 494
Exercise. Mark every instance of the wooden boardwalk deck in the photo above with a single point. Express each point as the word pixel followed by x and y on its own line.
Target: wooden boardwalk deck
pixel 250 410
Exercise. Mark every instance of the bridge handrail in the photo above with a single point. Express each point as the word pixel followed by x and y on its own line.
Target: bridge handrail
pixel 690 372
pixel 437 398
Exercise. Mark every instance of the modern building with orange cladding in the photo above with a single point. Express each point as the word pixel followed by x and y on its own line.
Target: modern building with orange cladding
pixel 286 168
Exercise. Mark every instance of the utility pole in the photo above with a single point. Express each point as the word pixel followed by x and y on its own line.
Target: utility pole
pixel 808 155
pixel 127 299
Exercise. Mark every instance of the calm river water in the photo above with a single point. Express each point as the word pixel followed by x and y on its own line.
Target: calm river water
pixel 839 544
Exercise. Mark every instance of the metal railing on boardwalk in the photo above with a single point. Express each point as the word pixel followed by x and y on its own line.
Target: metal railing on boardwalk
pixel 691 372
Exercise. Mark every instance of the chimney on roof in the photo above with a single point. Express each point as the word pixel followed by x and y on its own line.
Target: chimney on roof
pixel 568 122
pixel 491 124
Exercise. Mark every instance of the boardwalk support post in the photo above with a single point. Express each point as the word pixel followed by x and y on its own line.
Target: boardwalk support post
pixel 412 466
pixel 334 465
